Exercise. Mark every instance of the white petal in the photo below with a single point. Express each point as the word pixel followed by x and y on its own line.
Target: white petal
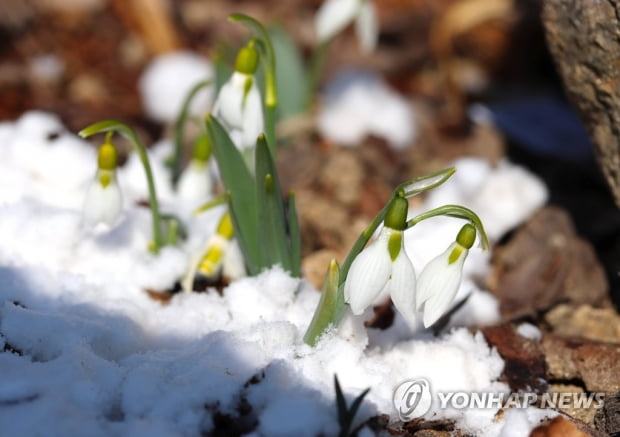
pixel 253 123
pixel 333 16
pixel 366 26
pixel 403 286
pixel 234 262
pixel 102 205
pixel 438 284
pixel 228 106
pixel 195 182
pixel 368 275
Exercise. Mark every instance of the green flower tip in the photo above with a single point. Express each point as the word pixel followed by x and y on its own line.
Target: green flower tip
pixel 202 148
pixel 247 59
pixel 466 236
pixel 394 245
pixel 107 157
pixel 105 179
pixel 396 216
pixel 225 227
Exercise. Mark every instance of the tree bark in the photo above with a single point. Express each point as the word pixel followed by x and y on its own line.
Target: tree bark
pixel 584 39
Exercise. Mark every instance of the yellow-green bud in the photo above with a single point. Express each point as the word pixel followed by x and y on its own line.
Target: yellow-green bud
pixel 396 216
pixel 107 156
pixel 466 236
pixel 202 148
pixel 247 59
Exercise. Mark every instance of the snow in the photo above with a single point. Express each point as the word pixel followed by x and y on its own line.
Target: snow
pixel 359 103
pixel 529 331
pixel 162 90
pixel 98 356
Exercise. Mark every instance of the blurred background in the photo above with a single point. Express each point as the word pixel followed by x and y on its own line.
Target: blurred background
pixel 477 72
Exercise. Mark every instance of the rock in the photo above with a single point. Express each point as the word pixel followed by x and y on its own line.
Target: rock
pixel 599 324
pixel 596 364
pixel 525 367
pixel 582 413
pixel 561 427
pixel 608 418
pixel 546 263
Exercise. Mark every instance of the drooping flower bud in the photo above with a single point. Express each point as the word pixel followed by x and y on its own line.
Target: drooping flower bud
pixel 103 202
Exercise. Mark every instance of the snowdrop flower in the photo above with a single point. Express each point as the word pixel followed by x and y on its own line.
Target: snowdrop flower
pixel 335 15
pixel 384 262
pixel 440 279
pixel 195 183
pixel 220 253
pixel 103 201
pixel 238 106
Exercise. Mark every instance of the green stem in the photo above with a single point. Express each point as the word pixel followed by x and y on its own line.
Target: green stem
pixel 316 67
pixel 127 132
pixel 270 127
pixel 455 211
pixel 173 232
pixel 179 140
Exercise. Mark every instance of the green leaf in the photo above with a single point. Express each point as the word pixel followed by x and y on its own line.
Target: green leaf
pixel 356 405
pixel 424 183
pixel 291 77
pixel 346 414
pixel 272 238
pixel 251 259
pixel 341 403
pixel 294 235
pixel 240 185
pixel 326 312
pixel 216 201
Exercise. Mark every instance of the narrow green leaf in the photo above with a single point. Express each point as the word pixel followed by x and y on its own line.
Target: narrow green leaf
pixel 424 183
pixel 327 311
pixel 341 404
pixel 251 260
pixel 294 235
pixel 240 185
pixel 216 201
pixel 273 240
pixel 290 74
pixel 355 406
